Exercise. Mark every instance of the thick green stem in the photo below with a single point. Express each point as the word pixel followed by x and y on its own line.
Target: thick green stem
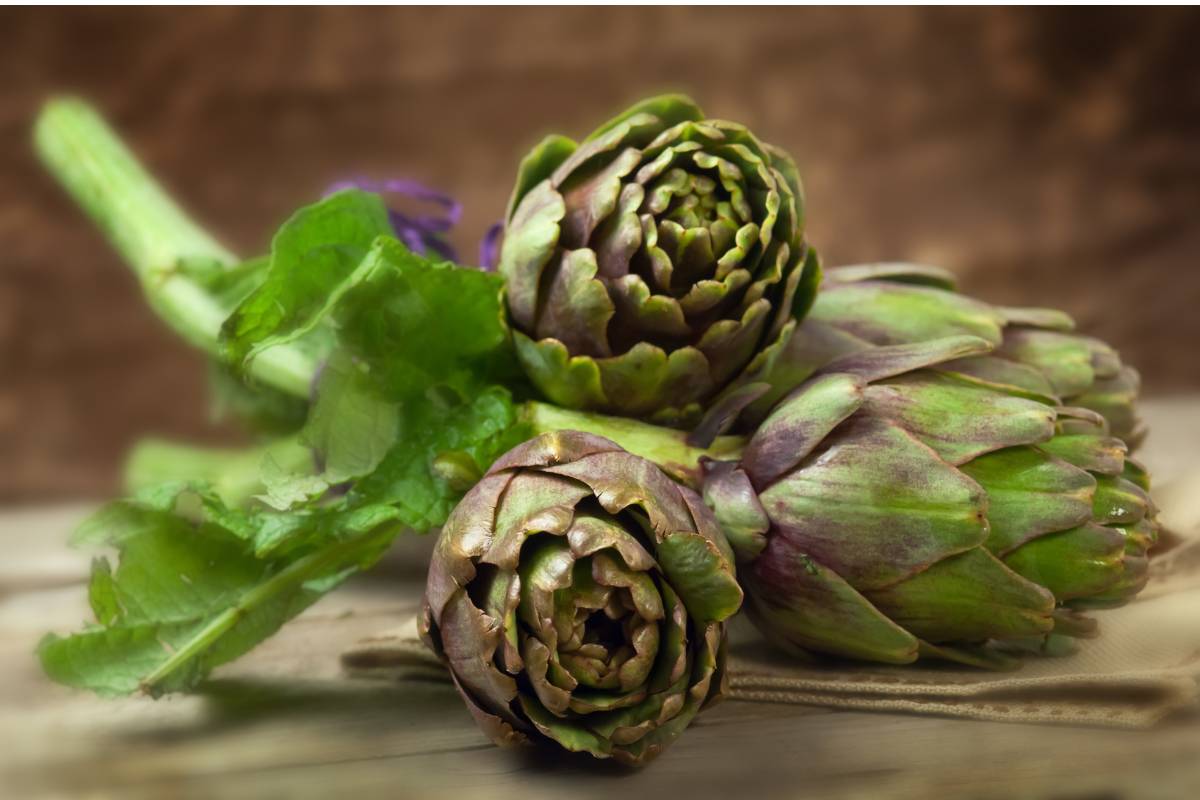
pixel 150 231
pixel 664 446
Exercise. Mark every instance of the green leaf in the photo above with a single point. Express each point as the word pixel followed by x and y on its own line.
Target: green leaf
pixel 151 508
pixel 312 256
pixel 287 488
pixel 115 522
pixel 206 567
pixel 108 661
pixel 483 428
pixel 279 534
pixel 260 408
pixel 412 383
pixel 423 347
pixel 234 476
pixel 351 426
pixel 102 592
pixel 418 323
pixel 185 598
pixel 411 323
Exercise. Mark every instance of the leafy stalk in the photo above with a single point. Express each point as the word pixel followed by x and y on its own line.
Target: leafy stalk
pixel 154 235
pixel 414 400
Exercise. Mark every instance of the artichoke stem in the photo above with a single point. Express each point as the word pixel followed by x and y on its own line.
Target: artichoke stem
pixel 151 232
pixel 666 447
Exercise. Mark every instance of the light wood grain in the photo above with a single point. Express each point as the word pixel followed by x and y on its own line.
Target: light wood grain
pixel 285 722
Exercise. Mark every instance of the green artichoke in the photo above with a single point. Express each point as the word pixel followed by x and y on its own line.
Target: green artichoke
pixel 1036 349
pixel 577 596
pixel 652 264
pixel 917 499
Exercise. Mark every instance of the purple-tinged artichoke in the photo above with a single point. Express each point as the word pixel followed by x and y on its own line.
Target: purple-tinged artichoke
pixel 652 264
pixel 1036 349
pixel 578 597
pixel 899 504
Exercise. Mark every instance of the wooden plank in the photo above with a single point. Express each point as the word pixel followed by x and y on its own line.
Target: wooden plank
pixel 283 722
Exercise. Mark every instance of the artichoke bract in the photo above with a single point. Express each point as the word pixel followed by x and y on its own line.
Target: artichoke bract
pixel 1036 349
pixel 577 596
pixel 895 505
pixel 652 264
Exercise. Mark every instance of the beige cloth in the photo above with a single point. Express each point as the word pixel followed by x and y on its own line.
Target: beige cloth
pixel 1143 666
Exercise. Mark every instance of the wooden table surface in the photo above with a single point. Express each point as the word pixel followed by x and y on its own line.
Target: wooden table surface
pixel 286 722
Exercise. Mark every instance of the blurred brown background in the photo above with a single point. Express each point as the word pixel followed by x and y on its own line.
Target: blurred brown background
pixel 1048 156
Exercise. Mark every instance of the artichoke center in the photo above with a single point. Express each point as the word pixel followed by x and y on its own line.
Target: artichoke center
pixel 601 629
pixel 602 640
pixel 699 205
pixel 689 223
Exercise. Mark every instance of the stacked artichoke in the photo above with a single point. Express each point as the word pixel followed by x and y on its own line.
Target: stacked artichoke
pixel 578 595
pixel 653 264
pixel 948 476
pixel 895 505
pixel 1035 349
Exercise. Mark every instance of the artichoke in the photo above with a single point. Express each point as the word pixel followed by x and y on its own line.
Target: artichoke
pixel 652 264
pixel 1036 349
pixel 928 498
pixel 577 596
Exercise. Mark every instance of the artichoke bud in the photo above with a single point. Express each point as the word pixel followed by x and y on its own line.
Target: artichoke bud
pixel 654 264
pixel 1034 350
pixel 912 499
pixel 578 597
